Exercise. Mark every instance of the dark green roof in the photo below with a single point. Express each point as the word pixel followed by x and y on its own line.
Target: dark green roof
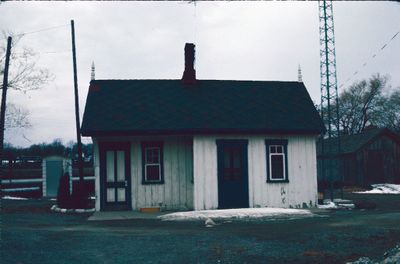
pixel 352 143
pixel 128 107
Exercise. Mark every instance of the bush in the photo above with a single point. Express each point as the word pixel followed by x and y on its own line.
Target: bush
pixel 63 196
pixel 80 197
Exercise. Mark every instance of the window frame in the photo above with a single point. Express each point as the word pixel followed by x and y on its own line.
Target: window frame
pixel 282 143
pixel 152 145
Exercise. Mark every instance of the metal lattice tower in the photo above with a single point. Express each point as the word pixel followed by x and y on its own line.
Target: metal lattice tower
pixel 329 91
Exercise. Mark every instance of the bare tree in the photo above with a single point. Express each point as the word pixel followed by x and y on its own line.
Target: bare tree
pixel 24 73
pixel 369 102
pixel 17 117
pixel 358 103
pixel 387 113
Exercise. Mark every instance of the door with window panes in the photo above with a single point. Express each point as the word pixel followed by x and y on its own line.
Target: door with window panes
pixel 115 176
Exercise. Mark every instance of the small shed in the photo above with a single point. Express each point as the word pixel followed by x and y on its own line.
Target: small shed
pixel 370 157
pixel 53 168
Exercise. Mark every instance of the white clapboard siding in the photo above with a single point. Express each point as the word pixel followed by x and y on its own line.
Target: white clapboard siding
pixel 177 191
pixel 301 190
pixel 205 173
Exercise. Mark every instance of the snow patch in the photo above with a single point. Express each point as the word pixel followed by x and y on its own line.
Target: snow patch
pixel 336 204
pixel 245 213
pixel 390 257
pixel 55 208
pixel 362 260
pixel 327 205
pixel 384 188
pixel 209 222
pixel 7 197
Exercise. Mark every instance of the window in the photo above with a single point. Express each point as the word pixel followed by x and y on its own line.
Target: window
pixel 152 162
pixel 277 169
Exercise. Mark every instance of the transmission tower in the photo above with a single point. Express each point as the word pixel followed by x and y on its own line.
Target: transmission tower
pixel 329 91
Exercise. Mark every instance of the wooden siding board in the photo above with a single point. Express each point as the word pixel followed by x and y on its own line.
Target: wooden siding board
pixel 214 180
pixel 180 168
pixel 189 175
pixel 96 166
pixel 208 184
pixel 198 177
pixel 295 174
pixel 135 174
pixel 175 173
pixel 251 174
pixel 205 173
pixel 258 165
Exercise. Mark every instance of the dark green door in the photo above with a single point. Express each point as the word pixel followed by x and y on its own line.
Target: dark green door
pixel 115 176
pixel 233 191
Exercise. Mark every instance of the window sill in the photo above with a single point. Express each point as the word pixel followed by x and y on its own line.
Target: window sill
pixel 151 183
pixel 277 181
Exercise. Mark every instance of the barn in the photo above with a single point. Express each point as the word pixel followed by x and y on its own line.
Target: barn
pixel 194 144
pixel 370 157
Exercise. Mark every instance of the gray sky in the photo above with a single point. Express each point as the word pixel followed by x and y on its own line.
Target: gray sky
pixel 234 40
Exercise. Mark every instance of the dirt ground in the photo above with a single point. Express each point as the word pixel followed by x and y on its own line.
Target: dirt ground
pixel 31 233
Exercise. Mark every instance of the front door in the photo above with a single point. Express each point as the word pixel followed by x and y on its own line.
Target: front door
pixel 233 191
pixel 115 176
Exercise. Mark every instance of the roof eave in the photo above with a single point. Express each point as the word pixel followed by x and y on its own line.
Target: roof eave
pixel 93 133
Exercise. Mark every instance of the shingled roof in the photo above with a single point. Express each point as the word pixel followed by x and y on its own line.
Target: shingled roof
pixel 136 107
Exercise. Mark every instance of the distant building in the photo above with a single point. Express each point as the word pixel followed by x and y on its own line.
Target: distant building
pixel 370 157
pixel 202 144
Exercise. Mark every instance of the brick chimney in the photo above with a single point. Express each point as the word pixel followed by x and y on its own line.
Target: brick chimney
pixel 189 75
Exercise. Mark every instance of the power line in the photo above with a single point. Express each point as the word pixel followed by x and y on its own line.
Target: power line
pixel 372 57
pixel 53 52
pixel 39 30
pixel 46 52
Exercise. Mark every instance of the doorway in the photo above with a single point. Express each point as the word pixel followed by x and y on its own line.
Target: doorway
pixel 115 177
pixel 233 190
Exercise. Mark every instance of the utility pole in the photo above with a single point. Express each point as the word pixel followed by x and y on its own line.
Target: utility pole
pixel 3 101
pixel 78 128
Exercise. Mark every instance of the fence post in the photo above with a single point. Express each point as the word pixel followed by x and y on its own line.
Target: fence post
pixel 70 172
pixel 44 176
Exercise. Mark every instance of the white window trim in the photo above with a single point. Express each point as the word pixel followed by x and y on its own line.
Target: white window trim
pixel 270 162
pixel 152 164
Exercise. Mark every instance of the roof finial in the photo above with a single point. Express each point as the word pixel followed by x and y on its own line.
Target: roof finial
pixel 92 75
pixel 299 75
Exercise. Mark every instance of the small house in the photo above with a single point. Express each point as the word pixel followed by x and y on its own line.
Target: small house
pixel 370 157
pixel 194 144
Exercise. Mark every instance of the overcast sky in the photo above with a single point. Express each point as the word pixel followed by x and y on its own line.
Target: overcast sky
pixel 234 40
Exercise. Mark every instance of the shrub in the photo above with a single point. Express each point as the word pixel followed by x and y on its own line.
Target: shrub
pixel 63 195
pixel 80 197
